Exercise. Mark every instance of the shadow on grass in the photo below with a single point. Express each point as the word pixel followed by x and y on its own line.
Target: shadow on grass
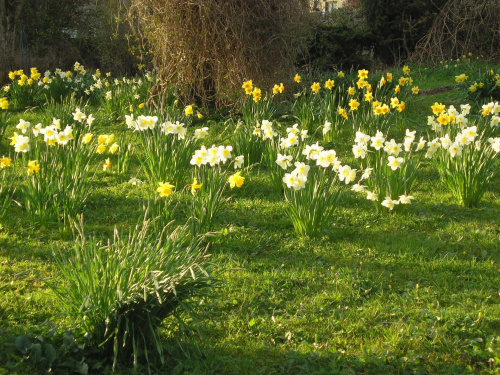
pixel 277 359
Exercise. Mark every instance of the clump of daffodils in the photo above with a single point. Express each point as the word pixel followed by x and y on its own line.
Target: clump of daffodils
pixel 215 155
pixel 388 168
pixel 464 150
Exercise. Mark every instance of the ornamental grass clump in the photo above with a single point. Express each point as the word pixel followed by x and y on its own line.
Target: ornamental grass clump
pixel 122 290
pixel 465 152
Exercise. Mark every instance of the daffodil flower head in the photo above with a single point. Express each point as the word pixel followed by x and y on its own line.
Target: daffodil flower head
pixel 195 186
pixel 236 180
pixel 165 189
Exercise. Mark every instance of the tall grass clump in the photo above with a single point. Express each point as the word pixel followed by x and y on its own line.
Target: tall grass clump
pixel 121 291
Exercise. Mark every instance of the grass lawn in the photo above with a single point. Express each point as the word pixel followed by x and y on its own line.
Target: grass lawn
pixel 414 291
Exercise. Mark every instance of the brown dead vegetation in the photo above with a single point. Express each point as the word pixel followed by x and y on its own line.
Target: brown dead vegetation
pixel 205 49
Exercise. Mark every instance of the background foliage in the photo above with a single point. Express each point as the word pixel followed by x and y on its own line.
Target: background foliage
pixel 58 33
pixel 206 49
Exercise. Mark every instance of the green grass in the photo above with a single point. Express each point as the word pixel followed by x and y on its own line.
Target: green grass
pixel 411 292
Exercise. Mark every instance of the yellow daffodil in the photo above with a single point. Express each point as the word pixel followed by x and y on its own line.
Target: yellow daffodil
pixel 353 104
pixel 248 86
pixel 195 186
pixel 33 167
pixel 236 180
pixel 437 108
pixel 297 78
pixel 342 112
pixel 101 148
pixel 329 84
pixel 188 111
pixel 87 138
pixel 4 104
pixel 361 83
pixel 114 148
pixel 5 161
pixel 315 87
pixel 363 74
pixel 165 189
pixel 257 94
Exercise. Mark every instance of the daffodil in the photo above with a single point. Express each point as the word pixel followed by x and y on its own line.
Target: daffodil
pixel 87 138
pixel 236 180
pixel 106 165
pixel 363 74
pixel 247 86
pixel 135 181
pixel 188 111
pixel 389 203
pixel 353 104
pixel 284 161
pixel 257 94
pixel 195 186
pixel 346 174
pixel 297 78
pixel 5 161
pixel 329 84
pixel 238 161
pixel 405 199
pixel 438 108
pixel 33 167
pixel 394 162
pixel 101 148
pixel 315 87
pixel 114 148
pixel 165 189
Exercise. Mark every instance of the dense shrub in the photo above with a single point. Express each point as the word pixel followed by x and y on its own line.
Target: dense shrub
pixel 58 33
pixel 340 46
pixel 397 25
